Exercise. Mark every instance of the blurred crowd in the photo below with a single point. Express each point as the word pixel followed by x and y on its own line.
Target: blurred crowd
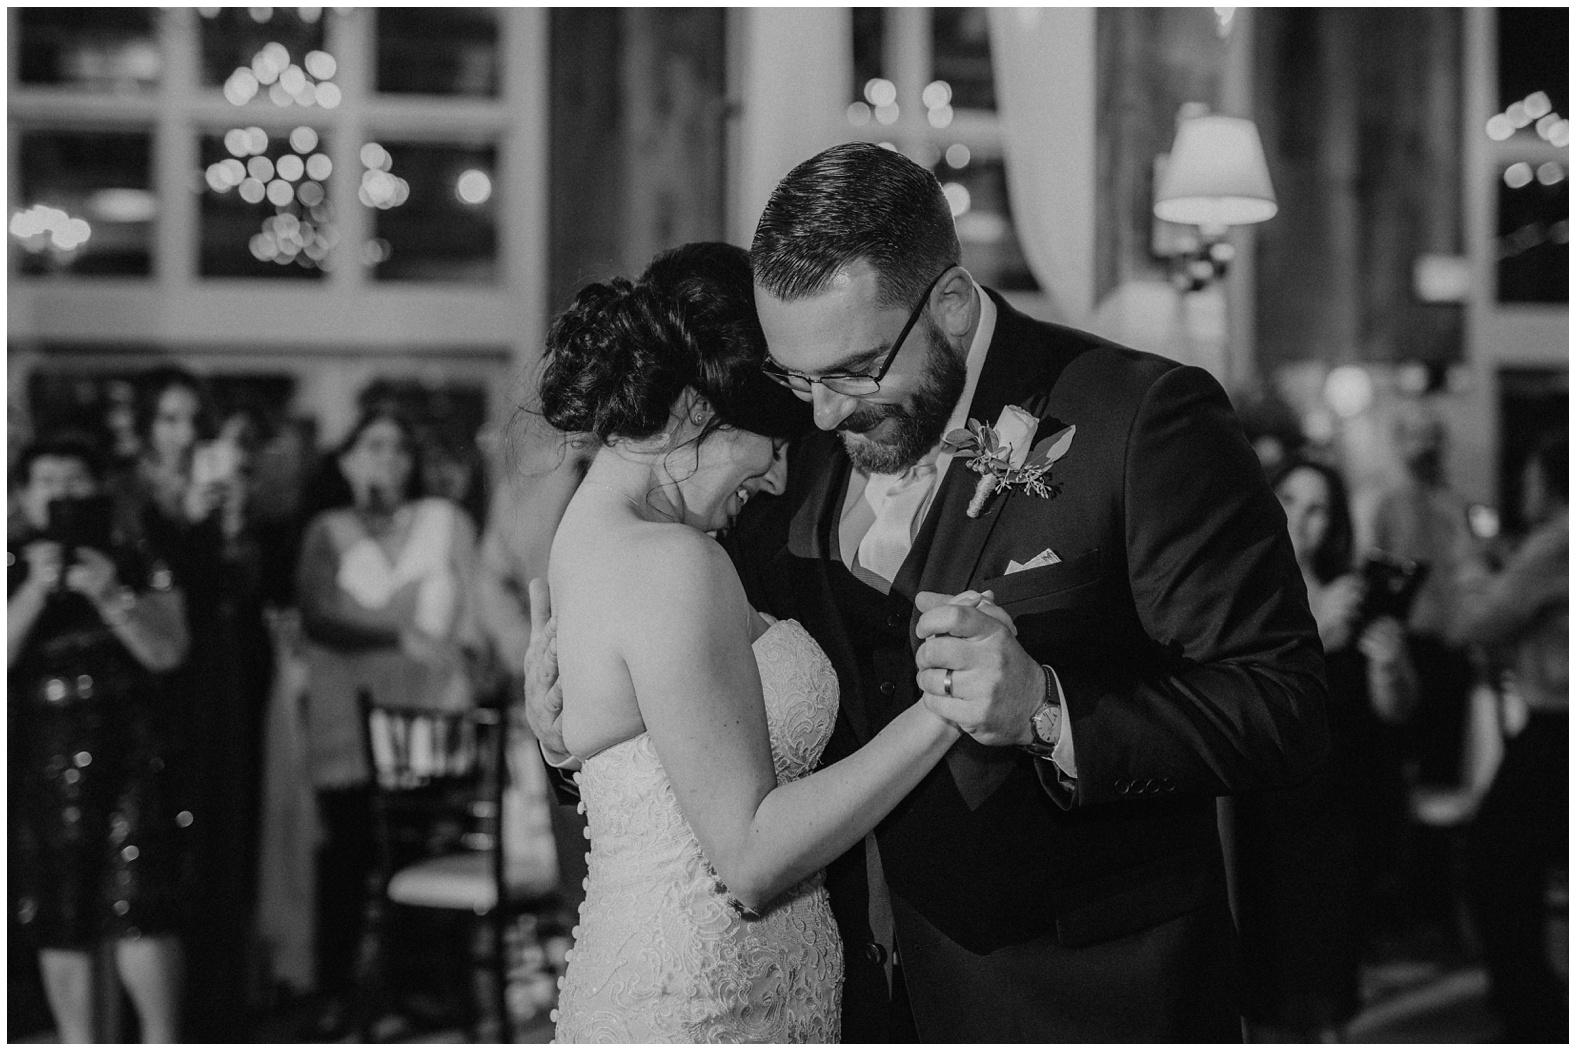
pixel 197 601
pixel 1439 825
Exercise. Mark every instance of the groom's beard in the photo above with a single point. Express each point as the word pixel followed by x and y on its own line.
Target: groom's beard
pixel 919 425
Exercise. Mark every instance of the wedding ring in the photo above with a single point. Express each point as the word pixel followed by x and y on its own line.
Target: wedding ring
pixel 946 683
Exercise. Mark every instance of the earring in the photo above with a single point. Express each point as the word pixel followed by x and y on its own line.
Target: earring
pixel 698 419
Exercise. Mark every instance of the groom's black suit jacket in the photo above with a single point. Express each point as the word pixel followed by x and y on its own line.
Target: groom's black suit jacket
pixel 1029 907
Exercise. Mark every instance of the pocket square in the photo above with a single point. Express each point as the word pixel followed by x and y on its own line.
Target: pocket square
pixel 1044 558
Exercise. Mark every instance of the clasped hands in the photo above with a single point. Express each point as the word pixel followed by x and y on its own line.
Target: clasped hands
pixel 995 687
pixel 90 574
pixel 995 684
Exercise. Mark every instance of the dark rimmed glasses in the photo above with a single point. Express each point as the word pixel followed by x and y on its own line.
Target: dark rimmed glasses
pixel 849 384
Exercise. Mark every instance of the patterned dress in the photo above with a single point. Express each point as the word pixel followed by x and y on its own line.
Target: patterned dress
pixel 100 834
pixel 660 955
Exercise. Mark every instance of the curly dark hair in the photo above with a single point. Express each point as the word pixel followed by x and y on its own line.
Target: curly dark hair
pixel 623 352
pixel 1338 548
pixel 851 202
pixel 152 384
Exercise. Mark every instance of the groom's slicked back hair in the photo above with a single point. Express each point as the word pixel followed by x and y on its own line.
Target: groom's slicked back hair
pixel 855 201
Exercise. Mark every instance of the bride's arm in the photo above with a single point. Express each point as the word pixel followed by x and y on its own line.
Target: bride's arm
pixel 699 693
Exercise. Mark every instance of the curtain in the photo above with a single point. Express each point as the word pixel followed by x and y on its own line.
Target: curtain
pixel 1044 61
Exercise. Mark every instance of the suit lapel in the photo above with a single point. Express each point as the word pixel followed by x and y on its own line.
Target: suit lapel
pixel 949 545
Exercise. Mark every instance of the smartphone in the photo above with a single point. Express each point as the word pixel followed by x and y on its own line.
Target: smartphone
pixel 81 521
pixel 1391 586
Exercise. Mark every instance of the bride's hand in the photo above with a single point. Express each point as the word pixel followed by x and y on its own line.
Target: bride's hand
pixel 544 693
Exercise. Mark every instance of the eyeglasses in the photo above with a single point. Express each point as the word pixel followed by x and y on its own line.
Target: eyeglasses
pixel 852 385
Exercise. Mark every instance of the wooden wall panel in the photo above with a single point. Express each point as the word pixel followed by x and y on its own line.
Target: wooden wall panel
pixel 637 110
pixel 1361 115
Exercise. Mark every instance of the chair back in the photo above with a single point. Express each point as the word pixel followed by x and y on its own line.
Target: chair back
pixel 437 780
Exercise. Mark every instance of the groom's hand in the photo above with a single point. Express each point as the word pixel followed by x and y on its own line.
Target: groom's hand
pixel 996 685
pixel 544 694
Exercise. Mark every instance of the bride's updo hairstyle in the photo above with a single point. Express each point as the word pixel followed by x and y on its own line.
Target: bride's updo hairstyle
pixel 622 353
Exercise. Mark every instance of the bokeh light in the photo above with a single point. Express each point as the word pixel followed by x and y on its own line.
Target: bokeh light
pixel 957 197
pixel 290 167
pixel 887 114
pixel 958 155
pixel 260 168
pixel 1550 173
pixel 940 117
pixel 859 114
pixel 319 167
pixel 937 93
pixel 252 191
pixel 473 187
pixel 880 92
pixel 1518 175
pixel 303 140
pixel 1348 390
pixel 321 64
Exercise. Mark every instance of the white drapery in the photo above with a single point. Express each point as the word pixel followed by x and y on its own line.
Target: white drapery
pixel 1044 60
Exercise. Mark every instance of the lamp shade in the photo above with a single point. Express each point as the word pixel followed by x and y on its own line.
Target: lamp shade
pixel 1216 175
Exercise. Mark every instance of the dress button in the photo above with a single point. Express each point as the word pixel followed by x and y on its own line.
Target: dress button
pixel 888 689
pixel 122 907
pixel 875 953
pixel 55 690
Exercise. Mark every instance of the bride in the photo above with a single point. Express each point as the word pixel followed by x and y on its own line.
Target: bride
pixel 696 720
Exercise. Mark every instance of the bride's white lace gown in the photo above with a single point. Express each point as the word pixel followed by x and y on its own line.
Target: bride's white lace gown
pixel 659 954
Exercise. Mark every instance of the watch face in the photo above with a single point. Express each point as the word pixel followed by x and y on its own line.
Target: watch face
pixel 1046 720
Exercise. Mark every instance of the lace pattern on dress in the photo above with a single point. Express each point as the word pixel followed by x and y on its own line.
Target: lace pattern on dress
pixel 659 954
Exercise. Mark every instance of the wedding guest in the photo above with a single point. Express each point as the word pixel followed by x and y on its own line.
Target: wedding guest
pixel 102 844
pixel 1313 862
pixel 190 490
pixel 1423 519
pixel 1521 832
pixel 384 586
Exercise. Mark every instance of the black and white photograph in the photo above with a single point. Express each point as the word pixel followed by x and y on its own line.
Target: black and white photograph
pixel 788 525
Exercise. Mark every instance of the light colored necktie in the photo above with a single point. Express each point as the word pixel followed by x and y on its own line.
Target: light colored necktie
pixel 887 543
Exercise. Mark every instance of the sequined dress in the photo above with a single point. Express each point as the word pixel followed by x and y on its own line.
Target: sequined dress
pixel 100 836
pixel 659 954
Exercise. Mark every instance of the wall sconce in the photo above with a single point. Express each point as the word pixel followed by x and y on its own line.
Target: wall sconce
pixel 1215 177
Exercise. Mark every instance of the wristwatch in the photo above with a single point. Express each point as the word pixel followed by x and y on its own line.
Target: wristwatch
pixel 1046 722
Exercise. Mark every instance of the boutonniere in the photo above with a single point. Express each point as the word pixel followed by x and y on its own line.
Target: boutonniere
pixel 1003 459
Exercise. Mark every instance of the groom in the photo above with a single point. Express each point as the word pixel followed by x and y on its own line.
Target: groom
pixel 1058 877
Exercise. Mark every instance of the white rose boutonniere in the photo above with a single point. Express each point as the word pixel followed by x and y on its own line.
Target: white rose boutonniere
pixel 1002 457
